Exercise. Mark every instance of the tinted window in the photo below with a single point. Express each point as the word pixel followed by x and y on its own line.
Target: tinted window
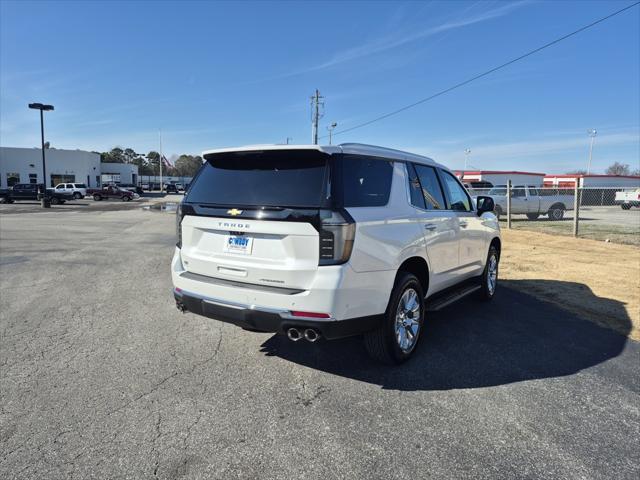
pixel 533 192
pixel 417 199
pixel 433 197
pixel 458 198
pixel 518 191
pixel 366 182
pixel 270 178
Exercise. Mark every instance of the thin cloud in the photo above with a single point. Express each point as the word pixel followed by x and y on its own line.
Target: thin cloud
pixel 510 152
pixel 390 42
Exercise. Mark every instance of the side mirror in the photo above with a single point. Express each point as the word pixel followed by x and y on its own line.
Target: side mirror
pixel 485 204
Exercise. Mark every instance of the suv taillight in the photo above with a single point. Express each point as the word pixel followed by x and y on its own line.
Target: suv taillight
pixel 181 211
pixel 337 232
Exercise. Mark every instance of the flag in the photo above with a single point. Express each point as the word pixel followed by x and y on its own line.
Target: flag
pixel 166 162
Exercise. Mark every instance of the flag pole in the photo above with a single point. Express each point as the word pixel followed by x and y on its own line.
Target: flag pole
pixel 161 182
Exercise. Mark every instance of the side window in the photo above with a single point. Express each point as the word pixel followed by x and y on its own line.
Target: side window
pixel 366 182
pixel 533 192
pixel 458 198
pixel 60 187
pixel 518 192
pixel 431 191
pixel 417 200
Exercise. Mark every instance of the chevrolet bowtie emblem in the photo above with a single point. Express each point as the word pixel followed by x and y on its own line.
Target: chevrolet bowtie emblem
pixel 234 212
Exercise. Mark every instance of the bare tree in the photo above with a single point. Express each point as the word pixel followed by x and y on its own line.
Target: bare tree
pixel 618 168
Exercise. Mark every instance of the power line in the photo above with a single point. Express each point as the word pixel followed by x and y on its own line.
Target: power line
pixel 484 74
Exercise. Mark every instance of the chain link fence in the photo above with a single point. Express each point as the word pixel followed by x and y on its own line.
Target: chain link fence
pixel 600 213
pixel 152 182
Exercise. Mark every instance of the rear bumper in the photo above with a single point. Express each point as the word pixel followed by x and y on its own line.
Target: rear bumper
pixel 336 290
pixel 270 320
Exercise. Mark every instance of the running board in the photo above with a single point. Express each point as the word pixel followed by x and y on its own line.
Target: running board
pixel 439 302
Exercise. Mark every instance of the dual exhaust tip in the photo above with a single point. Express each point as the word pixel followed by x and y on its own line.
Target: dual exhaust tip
pixel 309 334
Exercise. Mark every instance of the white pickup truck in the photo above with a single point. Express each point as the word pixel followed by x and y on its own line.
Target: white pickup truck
pixel 531 201
pixel 628 199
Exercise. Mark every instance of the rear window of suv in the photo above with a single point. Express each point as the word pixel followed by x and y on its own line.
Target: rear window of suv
pixel 292 178
pixel 278 178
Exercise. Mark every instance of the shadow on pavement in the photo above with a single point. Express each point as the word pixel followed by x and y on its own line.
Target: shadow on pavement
pixel 473 344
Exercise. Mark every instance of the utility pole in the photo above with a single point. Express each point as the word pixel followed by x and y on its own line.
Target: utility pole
pixel 467 151
pixel 592 133
pixel 316 115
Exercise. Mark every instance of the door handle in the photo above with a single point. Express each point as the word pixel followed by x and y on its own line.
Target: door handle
pixel 430 226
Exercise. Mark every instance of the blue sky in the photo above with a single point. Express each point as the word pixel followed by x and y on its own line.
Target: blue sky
pixel 219 74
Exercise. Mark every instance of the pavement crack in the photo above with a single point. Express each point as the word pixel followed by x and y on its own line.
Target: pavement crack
pixel 307 400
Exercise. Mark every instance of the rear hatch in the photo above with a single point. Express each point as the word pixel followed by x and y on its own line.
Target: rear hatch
pixel 255 217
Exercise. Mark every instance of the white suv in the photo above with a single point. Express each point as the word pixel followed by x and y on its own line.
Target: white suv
pixel 78 190
pixel 330 241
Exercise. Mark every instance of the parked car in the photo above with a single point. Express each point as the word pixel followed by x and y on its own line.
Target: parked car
pixel 5 195
pixel 527 200
pixel 29 191
pixel 112 191
pixel 132 188
pixel 628 199
pixel 171 188
pixel 77 190
pixel 174 186
pixel 331 241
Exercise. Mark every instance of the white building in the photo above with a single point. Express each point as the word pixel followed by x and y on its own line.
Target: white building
pixel 602 181
pixel 500 177
pixel 24 165
pixel 126 173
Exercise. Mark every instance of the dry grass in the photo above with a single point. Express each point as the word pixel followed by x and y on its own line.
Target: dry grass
pixel 629 235
pixel 596 280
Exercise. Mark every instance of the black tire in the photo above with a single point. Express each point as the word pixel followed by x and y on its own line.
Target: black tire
pixel 125 198
pixel 97 198
pixel 77 196
pixel 556 212
pixel 54 201
pixel 533 216
pixel 382 344
pixel 486 292
pixel 626 206
pixel 4 200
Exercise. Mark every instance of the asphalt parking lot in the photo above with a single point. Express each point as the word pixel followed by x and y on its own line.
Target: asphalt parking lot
pixel 101 377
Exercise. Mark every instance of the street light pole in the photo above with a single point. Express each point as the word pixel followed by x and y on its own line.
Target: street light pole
pixel 467 151
pixel 330 128
pixel 45 201
pixel 592 133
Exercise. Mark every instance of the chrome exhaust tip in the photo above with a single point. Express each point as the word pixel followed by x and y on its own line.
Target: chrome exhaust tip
pixel 294 334
pixel 311 335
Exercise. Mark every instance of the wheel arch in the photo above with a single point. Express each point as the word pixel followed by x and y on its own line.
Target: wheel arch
pixel 419 267
pixel 496 242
